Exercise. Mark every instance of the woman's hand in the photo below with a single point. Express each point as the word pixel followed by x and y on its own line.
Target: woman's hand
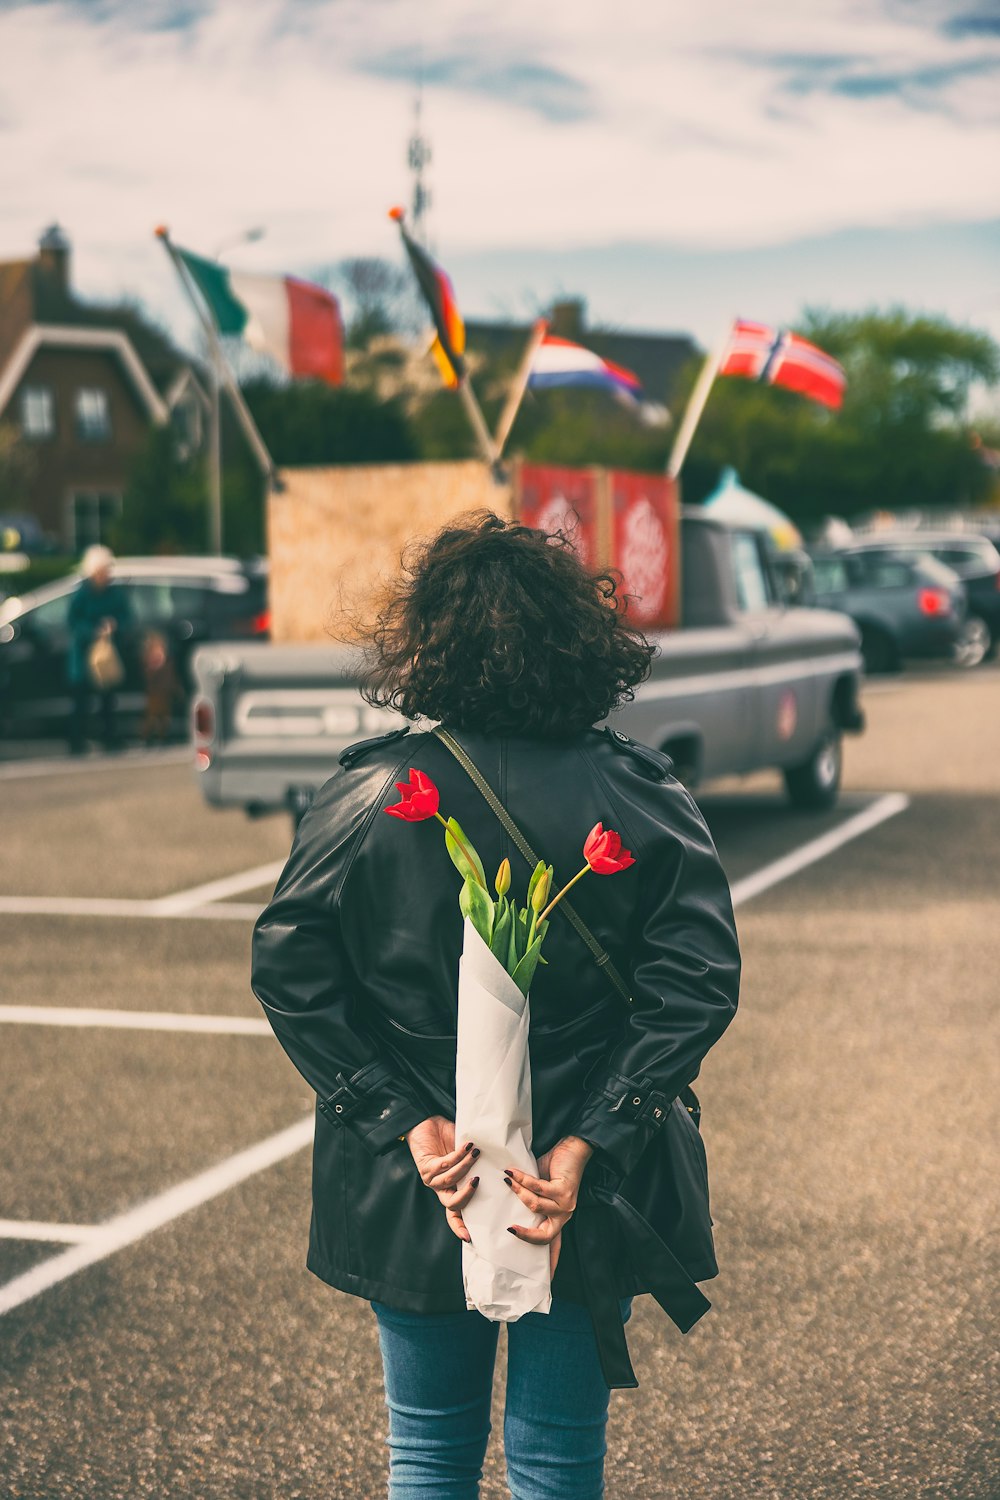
pixel 552 1193
pixel 442 1168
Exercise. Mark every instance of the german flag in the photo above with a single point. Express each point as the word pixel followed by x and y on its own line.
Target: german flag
pixel 448 348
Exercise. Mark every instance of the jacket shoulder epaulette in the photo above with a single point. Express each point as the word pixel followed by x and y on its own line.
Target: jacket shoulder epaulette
pixel 354 753
pixel 653 763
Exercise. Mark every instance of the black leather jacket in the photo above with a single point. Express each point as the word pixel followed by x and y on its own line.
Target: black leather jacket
pixel 355 961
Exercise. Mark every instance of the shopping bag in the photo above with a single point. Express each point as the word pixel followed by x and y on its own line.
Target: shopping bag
pixel 104 665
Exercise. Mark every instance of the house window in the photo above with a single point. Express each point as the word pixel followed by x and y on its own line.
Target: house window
pixel 92 514
pixel 187 424
pixel 93 417
pixel 38 413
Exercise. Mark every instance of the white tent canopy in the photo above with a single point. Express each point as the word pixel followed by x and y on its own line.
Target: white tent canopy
pixel 733 503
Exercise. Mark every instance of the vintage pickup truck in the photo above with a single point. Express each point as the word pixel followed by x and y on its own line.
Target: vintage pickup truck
pixel 745 683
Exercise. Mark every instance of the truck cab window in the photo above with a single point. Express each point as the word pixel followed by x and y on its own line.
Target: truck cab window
pixel 831 576
pixel 752 591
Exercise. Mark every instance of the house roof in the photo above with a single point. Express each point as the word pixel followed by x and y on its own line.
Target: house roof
pixel 40 335
pixel 34 294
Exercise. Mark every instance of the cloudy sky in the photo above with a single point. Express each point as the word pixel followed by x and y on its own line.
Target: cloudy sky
pixel 674 162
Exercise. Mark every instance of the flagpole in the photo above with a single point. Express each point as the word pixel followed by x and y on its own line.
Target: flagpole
pixel 220 373
pixel 215 462
pixel 696 405
pixel 474 412
pixel 518 386
pixel 423 269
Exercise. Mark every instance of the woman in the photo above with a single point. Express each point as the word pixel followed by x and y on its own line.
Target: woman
pixel 98 609
pixel 500 633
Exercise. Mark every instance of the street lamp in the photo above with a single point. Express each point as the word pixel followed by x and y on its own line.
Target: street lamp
pixel 248 237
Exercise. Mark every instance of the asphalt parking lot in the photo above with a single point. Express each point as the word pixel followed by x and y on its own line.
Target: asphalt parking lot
pixel 159 1335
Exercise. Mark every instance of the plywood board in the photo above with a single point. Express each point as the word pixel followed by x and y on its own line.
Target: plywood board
pixel 335 536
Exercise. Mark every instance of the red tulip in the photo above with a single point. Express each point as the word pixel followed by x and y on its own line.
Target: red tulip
pixel 604 853
pixel 420 798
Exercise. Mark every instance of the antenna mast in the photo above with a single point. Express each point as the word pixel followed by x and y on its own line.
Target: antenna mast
pixel 419 156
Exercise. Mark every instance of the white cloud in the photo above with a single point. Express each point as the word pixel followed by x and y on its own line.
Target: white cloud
pixel 712 125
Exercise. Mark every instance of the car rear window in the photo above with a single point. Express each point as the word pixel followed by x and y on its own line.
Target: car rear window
pixel 970 559
pixel 829 575
pixel 935 571
pixel 883 570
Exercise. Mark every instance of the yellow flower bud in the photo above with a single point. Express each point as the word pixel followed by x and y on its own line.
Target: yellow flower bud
pixel 503 878
pixel 540 895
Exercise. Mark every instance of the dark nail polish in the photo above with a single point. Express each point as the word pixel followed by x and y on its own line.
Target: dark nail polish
pixel 509 1182
pixel 467 1146
pixel 475 1182
pixel 475 1153
pixel 513 1232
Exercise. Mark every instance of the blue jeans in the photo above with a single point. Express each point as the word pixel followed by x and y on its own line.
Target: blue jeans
pixel 438 1383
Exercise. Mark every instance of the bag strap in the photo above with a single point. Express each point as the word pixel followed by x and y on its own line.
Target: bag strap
pixel 601 958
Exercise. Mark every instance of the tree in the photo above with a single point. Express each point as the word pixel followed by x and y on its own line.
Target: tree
pixel 901 440
pixel 379 296
pixel 164 508
pixel 311 423
pixel 581 427
pixel 17 468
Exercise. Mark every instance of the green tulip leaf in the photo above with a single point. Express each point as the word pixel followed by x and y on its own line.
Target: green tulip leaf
pixel 524 973
pixel 478 908
pixel 500 942
pixel 463 854
pixel 512 953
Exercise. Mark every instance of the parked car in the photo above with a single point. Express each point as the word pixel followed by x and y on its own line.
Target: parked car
pixel 190 600
pixel 906 604
pixel 745 682
pixel 976 561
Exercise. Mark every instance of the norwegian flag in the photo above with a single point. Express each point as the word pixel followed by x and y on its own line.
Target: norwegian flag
pixel 773 356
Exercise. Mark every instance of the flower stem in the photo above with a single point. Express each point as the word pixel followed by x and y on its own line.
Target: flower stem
pixel 568 887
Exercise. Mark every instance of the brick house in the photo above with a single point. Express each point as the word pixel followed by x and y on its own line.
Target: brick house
pixel 82 385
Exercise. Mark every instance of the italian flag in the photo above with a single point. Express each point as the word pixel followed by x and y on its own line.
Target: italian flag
pixel 296 323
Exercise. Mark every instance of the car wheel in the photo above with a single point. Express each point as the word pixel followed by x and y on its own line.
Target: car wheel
pixel 815 784
pixel 878 650
pixel 973 645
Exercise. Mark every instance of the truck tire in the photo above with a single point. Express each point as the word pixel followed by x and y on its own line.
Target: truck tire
pixel 879 650
pixel 815 784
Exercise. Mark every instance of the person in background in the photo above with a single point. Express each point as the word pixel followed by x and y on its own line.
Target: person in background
pixel 163 688
pixel 99 609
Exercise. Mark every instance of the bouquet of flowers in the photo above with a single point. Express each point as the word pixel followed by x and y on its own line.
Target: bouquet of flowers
pixel 504 1276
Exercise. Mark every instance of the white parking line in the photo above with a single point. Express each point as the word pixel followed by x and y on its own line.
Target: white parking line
pixel 209 901
pixel 110 906
pixel 818 848
pixel 139 1222
pixel 218 890
pixel 60 1234
pixel 133 1020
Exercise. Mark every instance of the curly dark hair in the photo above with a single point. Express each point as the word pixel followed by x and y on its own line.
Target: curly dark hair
pixel 495 627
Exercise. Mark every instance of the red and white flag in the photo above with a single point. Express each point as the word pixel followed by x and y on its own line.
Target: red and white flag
pixel 773 356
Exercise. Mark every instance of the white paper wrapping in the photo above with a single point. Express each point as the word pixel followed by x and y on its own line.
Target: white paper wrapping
pixel 504 1277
